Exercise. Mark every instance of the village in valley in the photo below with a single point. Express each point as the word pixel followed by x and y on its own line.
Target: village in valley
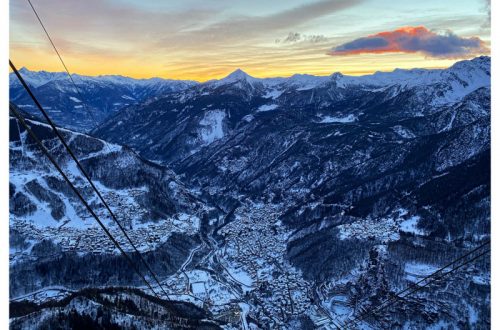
pixel 245 276
pixel 250 269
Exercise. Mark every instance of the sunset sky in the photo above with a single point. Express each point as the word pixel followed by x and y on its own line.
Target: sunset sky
pixel 207 39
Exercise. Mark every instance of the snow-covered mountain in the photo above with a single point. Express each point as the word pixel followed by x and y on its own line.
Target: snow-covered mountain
pixel 316 197
pixel 447 85
pixel 102 95
pixel 180 124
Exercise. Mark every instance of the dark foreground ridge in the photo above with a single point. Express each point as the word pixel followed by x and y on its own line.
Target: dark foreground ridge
pixel 109 308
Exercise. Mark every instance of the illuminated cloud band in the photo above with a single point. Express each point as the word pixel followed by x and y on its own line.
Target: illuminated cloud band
pixel 414 40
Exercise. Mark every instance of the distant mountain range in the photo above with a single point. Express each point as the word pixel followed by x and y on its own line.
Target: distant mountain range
pixel 102 95
pixel 106 95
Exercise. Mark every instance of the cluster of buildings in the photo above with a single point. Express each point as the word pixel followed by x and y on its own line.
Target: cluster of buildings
pixel 384 229
pixel 92 239
pixel 255 242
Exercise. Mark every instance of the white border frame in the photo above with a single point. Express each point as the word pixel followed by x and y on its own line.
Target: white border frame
pixel 4 164
pixel 495 164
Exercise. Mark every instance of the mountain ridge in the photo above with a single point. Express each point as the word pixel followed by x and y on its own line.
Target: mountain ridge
pixel 240 73
pixel 95 99
pixel 207 112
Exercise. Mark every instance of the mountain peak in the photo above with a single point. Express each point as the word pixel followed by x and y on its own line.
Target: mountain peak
pixel 238 75
pixel 336 75
pixel 24 70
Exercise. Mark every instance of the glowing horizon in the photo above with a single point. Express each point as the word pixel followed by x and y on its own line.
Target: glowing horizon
pixel 202 40
pixel 223 75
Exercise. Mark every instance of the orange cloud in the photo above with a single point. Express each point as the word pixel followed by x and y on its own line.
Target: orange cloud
pixel 414 40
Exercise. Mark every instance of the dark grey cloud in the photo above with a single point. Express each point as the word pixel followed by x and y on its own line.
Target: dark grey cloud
pixel 363 43
pixel 414 40
pixel 294 37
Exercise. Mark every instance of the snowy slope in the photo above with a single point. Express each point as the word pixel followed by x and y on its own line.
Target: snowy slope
pixel 41 203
